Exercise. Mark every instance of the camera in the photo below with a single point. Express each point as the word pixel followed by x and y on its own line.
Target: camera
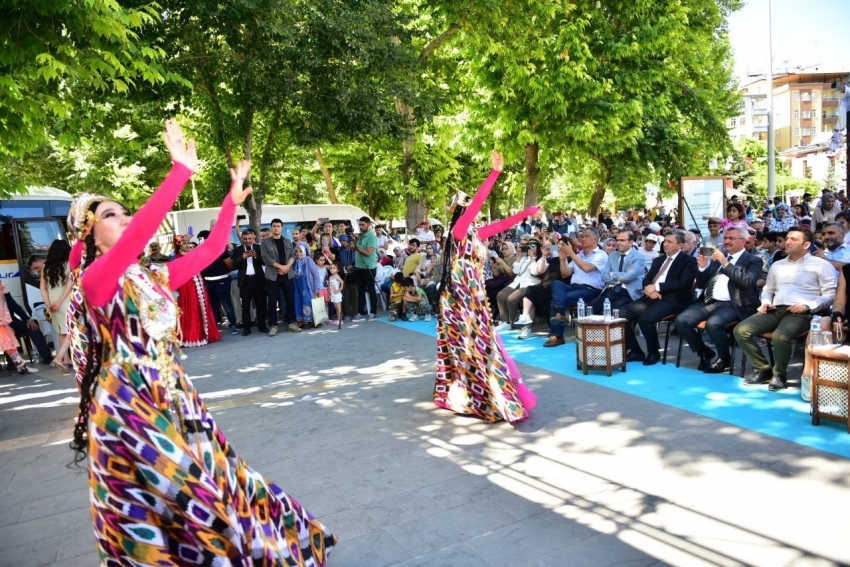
pixel 524 248
pixel 349 230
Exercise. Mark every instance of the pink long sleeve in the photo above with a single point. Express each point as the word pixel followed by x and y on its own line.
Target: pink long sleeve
pixel 100 280
pixel 492 229
pixel 473 209
pixel 184 268
pixel 76 257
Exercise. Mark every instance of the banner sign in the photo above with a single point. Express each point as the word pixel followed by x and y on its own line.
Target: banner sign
pixel 703 197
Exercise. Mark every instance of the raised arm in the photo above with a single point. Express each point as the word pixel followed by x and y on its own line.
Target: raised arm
pixel 100 280
pixel 469 215
pixel 184 268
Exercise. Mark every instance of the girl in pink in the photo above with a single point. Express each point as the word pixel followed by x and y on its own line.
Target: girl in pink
pixel 8 342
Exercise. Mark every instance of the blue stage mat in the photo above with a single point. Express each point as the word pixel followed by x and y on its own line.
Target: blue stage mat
pixel 718 396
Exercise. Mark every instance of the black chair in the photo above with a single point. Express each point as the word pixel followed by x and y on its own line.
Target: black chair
pixel 729 328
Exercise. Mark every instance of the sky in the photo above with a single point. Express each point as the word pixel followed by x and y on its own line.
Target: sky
pixel 805 32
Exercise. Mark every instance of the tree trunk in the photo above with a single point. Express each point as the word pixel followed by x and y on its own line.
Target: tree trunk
pixel 254 203
pixel 494 206
pixel 531 172
pixel 327 175
pixel 599 190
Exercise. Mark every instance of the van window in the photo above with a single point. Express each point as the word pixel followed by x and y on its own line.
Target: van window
pixel 36 236
pixel 7 242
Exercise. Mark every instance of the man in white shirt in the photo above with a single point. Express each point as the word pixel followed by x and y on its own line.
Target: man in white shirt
pixel 424 233
pixel 248 263
pixel 796 287
pixel 383 239
pixel 585 273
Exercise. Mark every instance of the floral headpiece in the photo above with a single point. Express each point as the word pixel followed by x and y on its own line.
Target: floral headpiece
pixel 81 220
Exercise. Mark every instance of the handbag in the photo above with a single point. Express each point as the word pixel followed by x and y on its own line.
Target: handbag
pixel 320 311
pixel 497 282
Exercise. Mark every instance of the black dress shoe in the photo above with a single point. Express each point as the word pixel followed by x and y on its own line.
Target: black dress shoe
pixel 705 359
pixel 263 329
pixel 651 359
pixel 246 332
pixel 635 357
pixel 719 366
pixel 762 377
pixel 778 383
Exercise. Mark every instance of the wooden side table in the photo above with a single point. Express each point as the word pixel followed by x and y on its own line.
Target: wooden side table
pixel 830 384
pixel 600 344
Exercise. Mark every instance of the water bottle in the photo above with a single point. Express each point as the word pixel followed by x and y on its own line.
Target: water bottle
pixel 606 309
pixel 35 358
pixel 580 308
pixel 814 331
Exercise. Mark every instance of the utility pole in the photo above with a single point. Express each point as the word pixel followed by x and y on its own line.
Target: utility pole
pixel 771 144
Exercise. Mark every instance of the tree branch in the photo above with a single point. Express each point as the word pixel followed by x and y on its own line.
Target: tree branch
pixel 438 41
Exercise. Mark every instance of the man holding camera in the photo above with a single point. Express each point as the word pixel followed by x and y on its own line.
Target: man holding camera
pixel 365 269
pixel 248 263
pixel 730 294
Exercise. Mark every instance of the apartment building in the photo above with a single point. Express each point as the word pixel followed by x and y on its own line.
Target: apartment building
pixel 804 105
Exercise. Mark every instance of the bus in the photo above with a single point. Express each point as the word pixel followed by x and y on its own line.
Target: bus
pixel 28 224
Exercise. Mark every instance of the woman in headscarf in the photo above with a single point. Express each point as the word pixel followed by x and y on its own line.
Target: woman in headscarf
pixel 475 375
pixel 784 220
pixel 166 486
pixel 826 211
pixel 307 284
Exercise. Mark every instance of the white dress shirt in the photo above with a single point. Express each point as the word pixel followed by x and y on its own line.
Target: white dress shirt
pixel 721 280
pixel 809 281
pixel 249 269
pixel 663 277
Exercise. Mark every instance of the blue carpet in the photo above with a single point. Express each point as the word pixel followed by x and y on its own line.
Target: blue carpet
pixel 722 397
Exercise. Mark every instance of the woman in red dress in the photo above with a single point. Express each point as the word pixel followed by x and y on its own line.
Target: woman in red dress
pixel 197 323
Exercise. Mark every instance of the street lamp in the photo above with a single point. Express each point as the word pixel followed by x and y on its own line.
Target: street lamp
pixel 771 149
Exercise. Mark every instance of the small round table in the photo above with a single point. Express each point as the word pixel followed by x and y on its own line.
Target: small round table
pixel 830 383
pixel 600 344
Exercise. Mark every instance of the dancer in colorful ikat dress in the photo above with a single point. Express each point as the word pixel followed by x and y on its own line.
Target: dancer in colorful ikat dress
pixel 475 374
pixel 166 486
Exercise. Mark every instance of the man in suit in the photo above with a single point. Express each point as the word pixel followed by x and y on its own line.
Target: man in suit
pixel 278 254
pixel 623 275
pixel 667 289
pixel 730 294
pixel 248 263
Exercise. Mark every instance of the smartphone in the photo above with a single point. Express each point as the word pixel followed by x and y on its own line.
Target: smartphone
pixel 323 220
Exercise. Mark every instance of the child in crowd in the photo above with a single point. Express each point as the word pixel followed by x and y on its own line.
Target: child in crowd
pixel 335 286
pixel 415 301
pixel 322 266
pixel 397 297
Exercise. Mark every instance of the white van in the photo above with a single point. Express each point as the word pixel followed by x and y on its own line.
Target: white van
pixel 193 221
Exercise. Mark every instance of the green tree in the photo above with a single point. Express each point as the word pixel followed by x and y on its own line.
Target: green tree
pixel 52 52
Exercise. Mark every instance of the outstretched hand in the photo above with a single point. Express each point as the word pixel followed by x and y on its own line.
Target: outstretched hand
pixel 181 152
pixel 238 175
pixel 498 160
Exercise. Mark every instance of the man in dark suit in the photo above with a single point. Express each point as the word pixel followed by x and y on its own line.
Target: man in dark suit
pixel 730 294
pixel 667 289
pixel 248 262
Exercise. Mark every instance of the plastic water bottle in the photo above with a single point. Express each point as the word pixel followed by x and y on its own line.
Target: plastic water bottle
pixel 814 331
pixel 580 308
pixel 35 358
pixel 606 309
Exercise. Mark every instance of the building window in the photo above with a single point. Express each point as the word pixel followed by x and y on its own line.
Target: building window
pixel 796 131
pixel 797 96
pixel 806 97
pixel 743 121
pixel 814 95
pixel 796 114
pixel 807 114
pixel 733 122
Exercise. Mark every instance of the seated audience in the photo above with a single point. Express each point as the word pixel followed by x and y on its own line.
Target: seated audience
pixel 622 275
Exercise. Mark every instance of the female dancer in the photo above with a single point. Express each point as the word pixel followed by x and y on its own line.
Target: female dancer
pixel 197 322
pixel 166 487
pixel 56 287
pixel 475 375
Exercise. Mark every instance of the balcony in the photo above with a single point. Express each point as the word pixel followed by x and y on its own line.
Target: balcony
pixel 760 128
pixel 829 119
pixel 756 95
pixel 759 111
pixel 829 103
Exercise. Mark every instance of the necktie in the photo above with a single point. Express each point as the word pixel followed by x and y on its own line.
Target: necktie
pixel 622 258
pixel 663 269
pixel 709 289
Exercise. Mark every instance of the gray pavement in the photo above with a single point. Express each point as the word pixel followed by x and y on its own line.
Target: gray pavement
pixel 343 420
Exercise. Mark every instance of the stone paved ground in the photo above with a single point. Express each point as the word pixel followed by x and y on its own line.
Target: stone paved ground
pixel 344 421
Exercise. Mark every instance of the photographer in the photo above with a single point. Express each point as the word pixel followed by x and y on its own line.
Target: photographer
pixel 502 273
pixel 365 268
pixel 525 269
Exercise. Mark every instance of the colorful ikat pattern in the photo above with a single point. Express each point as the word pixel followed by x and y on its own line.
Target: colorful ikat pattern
pixel 166 486
pixel 472 376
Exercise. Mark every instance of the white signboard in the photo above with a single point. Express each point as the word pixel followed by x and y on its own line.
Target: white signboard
pixel 703 198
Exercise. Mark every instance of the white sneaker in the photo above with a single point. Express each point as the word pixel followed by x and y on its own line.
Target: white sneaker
pixel 428 318
pixel 525 333
pixel 502 327
pixel 413 318
pixel 523 320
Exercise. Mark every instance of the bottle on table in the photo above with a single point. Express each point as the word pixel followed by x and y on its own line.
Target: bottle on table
pixel 815 330
pixel 606 309
pixel 580 308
